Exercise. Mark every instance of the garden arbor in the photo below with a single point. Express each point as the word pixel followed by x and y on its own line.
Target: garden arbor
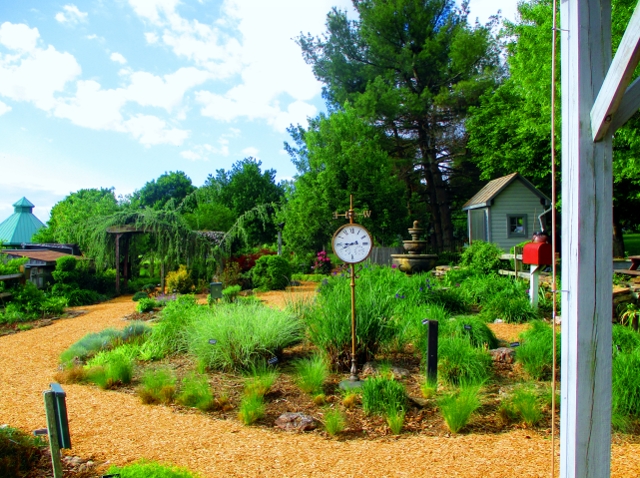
pixel 595 101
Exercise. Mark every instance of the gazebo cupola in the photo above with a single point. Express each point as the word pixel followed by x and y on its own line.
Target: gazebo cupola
pixel 20 227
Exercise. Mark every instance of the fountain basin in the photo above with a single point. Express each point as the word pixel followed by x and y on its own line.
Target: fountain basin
pixel 412 263
pixel 414 247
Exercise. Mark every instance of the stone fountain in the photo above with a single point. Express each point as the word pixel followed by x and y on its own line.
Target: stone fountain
pixel 414 260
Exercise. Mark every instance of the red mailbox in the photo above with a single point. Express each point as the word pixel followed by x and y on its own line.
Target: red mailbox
pixel 537 253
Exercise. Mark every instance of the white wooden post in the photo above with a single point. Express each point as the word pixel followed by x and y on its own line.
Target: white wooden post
pixel 534 283
pixel 585 426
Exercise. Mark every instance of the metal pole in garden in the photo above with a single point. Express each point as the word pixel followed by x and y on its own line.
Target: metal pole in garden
pixel 432 352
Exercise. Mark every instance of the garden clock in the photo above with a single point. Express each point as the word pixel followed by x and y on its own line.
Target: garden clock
pixel 352 243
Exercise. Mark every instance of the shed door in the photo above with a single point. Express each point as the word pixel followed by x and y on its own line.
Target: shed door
pixel 478 223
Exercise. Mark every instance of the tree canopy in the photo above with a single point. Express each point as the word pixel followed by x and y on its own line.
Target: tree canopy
pixel 155 193
pixel 411 68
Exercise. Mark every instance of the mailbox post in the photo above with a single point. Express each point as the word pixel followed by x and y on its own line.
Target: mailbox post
pixel 536 254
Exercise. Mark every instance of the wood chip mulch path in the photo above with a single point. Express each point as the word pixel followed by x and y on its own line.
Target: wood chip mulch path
pixel 114 427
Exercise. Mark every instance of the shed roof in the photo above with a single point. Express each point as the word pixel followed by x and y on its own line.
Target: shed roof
pixel 43 255
pixel 487 194
pixel 21 225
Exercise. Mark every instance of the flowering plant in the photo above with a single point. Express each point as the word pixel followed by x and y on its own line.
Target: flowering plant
pixel 322 264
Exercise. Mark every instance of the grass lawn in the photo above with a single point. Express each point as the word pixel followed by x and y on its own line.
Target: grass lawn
pixel 632 244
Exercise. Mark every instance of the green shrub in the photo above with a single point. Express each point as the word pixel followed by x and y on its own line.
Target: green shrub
pixel 180 281
pixel 381 394
pixel 334 422
pixel 54 305
pixel 482 257
pixel 196 392
pixel 244 335
pixel 28 299
pixel 457 407
pixel 535 353
pixel 19 452
pixel 145 305
pixel 157 386
pixel 150 469
pixel 251 409
pixel 461 362
pixel 230 293
pixel 139 295
pixel 523 404
pixel 271 273
pixel 311 374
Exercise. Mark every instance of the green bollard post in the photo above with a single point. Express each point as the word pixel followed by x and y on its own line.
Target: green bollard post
pixel 49 407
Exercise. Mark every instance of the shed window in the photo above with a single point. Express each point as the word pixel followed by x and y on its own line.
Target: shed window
pixel 517 225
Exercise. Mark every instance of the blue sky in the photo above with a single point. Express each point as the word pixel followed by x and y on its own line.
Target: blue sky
pixel 101 93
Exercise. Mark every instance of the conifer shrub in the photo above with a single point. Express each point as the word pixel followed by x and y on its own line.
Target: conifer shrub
pixel 180 281
pixel 271 273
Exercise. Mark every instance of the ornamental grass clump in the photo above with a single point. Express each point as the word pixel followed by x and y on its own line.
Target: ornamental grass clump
pixel 157 386
pixel 112 368
pixel 260 380
pixel 461 362
pixel 625 339
pixel 382 394
pixel 88 346
pixel 457 407
pixel 523 404
pixel 535 352
pixel 150 469
pixel 311 374
pixel 195 391
pixel 329 323
pixel 469 327
pixel 231 337
pixel 334 422
pixel 625 386
pixel 19 452
pixel 251 408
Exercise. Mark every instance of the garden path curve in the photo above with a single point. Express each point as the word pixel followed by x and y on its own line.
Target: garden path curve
pixel 116 427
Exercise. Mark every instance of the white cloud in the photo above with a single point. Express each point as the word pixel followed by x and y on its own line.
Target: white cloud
pixel 18 37
pixel 250 151
pixel 163 92
pixel 151 130
pixel 71 15
pixel 153 10
pixel 118 58
pixel 92 107
pixel 33 74
pixel 4 108
pixel 151 38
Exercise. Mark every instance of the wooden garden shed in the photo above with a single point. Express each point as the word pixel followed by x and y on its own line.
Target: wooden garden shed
pixel 505 211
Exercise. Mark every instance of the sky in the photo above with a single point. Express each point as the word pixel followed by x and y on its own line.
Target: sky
pixel 114 93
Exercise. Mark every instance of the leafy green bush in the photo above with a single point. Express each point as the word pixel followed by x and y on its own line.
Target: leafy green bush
pixel 28 299
pixel 157 386
pixel 196 392
pixel 19 452
pixel 311 374
pixel 180 281
pixel 271 273
pixel 461 362
pixel 145 305
pixel 53 305
pixel 243 335
pixel 151 469
pixel 457 407
pixel 482 257
pixel 536 350
pixel 75 281
pixel 381 394
pixel 139 295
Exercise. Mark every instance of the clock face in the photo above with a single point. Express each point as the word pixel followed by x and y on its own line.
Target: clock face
pixel 352 243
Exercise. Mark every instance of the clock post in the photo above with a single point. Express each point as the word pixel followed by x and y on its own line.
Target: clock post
pixel 352 243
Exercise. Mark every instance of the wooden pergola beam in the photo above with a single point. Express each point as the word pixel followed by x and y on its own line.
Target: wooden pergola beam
pixel 629 106
pixel 587 230
pixel 617 79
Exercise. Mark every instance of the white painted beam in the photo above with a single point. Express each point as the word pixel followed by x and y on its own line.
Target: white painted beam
pixel 618 77
pixel 629 105
pixel 587 232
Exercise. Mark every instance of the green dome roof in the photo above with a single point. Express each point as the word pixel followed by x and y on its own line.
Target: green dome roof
pixel 20 227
